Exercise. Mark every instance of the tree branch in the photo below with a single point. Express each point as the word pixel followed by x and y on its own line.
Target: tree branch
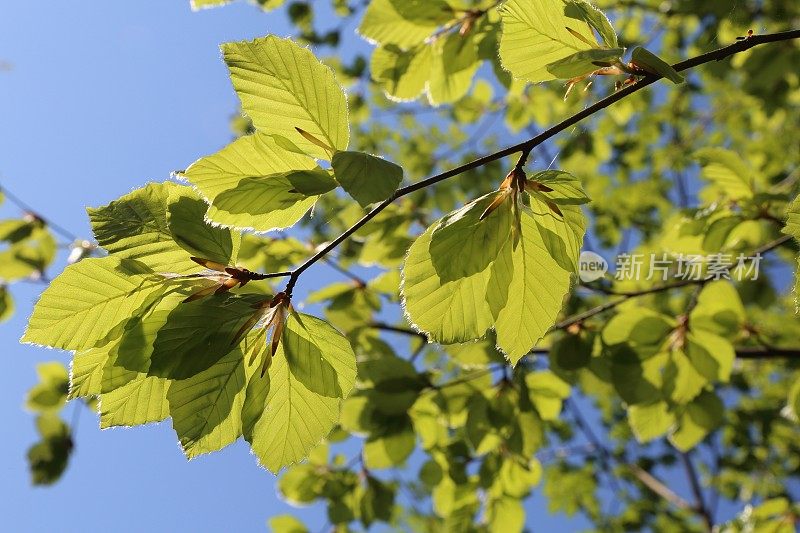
pixel 527 146
pixel 694 482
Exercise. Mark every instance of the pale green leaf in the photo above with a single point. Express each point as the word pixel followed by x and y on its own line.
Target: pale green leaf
pixel 206 409
pixel 86 373
pixel 251 156
pixel 138 402
pixel 186 222
pixel 263 204
pixel 404 23
pixel 535 35
pixel 196 335
pixel 565 188
pixel 6 304
pixel 595 18
pixel 653 64
pixel 528 286
pixel 583 62
pixel 454 61
pixel 729 173
pixel 701 417
pixel 447 307
pixel 312 182
pixel 88 300
pixel 135 227
pixel 282 87
pixel 365 177
pixel 402 73
pixel 650 421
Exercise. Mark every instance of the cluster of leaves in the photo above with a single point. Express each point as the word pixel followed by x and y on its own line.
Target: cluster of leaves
pixel 159 334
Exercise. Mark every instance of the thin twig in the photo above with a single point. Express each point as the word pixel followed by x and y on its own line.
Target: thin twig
pixel 16 200
pixel 694 483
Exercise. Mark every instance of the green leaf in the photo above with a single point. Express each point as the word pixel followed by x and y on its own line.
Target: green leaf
pixel 793 219
pixel 282 87
pixel 727 171
pixel 88 300
pixel 566 188
pixel 562 234
pixel 140 401
pixel 286 524
pixel 454 61
pixel 365 177
pixel 547 392
pixel 392 446
pixel 535 35
pixel 319 356
pixel 206 409
pixel 48 458
pixel 585 11
pixel 376 501
pixel 186 222
pixel 6 304
pixel 50 394
pixel 403 74
pixel 285 419
pixel 643 330
pixel 196 335
pixel 650 421
pixel 263 204
pixel 404 23
pixel 135 227
pixel 312 182
pixel 583 62
pixel 701 417
pixel 247 157
pixel 711 355
pixel 447 307
pixel 653 64
pixel 528 284
pixel 28 256
pixel 86 373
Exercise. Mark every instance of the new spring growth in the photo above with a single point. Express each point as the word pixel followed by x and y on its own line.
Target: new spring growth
pixel 270 316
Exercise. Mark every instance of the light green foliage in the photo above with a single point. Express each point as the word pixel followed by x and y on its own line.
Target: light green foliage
pixel 312 371
pixel 365 177
pixel 6 304
pixel 506 376
pixel 653 64
pixel 535 35
pixel 282 87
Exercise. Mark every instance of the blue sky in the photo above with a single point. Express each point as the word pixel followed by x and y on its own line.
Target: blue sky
pixel 101 98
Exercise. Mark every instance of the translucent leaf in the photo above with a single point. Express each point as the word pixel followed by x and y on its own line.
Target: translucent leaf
pixel 561 232
pixel 711 355
pixel 392 446
pixel 454 61
pixel 535 35
pixel 312 182
pixel 196 335
pixel 528 286
pixel 727 171
pixel 48 458
pixel 565 188
pixel 50 393
pixel 701 417
pixel 282 87
pixel 286 524
pixel 292 419
pixel 29 255
pixel 135 227
pixel 365 177
pixel 86 373
pixel 206 409
pixel 650 62
pixel 138 402
pixel 403 22
pixel 186 222
pixel 650 421
pixel 89 299
pixel 595 18
pixel 448 307
pixel 546 392
pixel 583 62
pixel 402 73
pixel 247 157
pixel 265 203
